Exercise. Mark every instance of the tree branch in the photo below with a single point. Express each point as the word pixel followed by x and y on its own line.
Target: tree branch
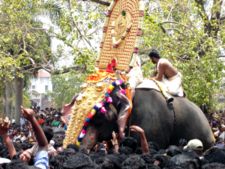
pixel 74 25
pixel 173 22
pixel 101 2
pixel 67 69
pixel 56 71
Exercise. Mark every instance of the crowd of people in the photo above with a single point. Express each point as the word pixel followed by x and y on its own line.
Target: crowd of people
pixel 38 143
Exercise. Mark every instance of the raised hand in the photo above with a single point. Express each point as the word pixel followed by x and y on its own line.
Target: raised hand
pixel 144 143
pixel 136 129
pixel 4 125
pixel 27 113
pixel 114 138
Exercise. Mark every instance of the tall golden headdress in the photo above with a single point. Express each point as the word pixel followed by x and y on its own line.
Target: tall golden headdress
pixel 121 32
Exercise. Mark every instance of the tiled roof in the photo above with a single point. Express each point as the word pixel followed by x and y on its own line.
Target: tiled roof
pixel 43 73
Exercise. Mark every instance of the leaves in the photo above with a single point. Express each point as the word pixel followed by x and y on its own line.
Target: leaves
pixel 21 36
pixel 65 87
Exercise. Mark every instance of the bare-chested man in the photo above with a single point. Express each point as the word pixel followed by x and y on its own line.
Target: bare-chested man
pixel 167 74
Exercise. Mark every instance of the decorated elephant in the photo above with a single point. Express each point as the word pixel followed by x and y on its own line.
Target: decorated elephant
pixel 162 124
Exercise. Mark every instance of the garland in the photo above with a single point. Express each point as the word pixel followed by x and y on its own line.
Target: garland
pixel 100 107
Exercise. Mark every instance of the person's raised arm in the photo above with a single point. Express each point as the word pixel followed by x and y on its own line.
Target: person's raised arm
pixel 29 114
pixel 4 126
pixel 144 143
pixel 115 143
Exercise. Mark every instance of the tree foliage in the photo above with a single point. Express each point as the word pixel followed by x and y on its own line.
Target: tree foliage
pixel 24 46
pixel 65 86
pixel 181 32
pixel 23 39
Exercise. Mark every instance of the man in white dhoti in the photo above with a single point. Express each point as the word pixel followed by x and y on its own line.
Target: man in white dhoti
pixel 168 75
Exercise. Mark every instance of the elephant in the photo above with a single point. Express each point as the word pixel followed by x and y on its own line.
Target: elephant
pixel 165 125
pixel 162 124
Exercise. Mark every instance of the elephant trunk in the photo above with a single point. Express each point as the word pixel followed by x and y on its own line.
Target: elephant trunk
pixel 90 138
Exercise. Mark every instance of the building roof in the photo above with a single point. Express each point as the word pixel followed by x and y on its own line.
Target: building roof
pixel 43 73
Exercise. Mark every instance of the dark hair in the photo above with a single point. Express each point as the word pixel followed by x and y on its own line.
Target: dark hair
pixel 79 160
pixel 134 161
pixel 15 164
pixel 182 142
pixel 154 53
pixel 173 150
pixel 213 165
pixel 48 132
pixel 215 155
pixel 125 150
pixel 111 162
pixel 163 159
pixel 73 146
pixel 57 161
pixel 129 142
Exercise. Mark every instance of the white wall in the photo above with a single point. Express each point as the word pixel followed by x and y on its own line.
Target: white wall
pixel 41 85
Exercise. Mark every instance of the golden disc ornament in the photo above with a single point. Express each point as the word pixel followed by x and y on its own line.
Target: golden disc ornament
pixel 121 33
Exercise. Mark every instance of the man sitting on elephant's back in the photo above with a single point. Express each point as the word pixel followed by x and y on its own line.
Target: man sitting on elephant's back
pixel 168 75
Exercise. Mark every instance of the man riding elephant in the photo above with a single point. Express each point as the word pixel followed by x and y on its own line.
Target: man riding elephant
pixel 168 75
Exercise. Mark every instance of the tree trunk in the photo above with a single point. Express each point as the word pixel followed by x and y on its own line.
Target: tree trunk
pixel 7 99
pixel 18 97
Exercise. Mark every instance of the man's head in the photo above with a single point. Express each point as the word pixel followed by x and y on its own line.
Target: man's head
pixel 194 144
pixel 154 55
pixel 48 132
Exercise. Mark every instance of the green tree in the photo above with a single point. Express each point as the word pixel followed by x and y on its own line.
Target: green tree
pixel 65 86
pixel 181 32
pixel 24 46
